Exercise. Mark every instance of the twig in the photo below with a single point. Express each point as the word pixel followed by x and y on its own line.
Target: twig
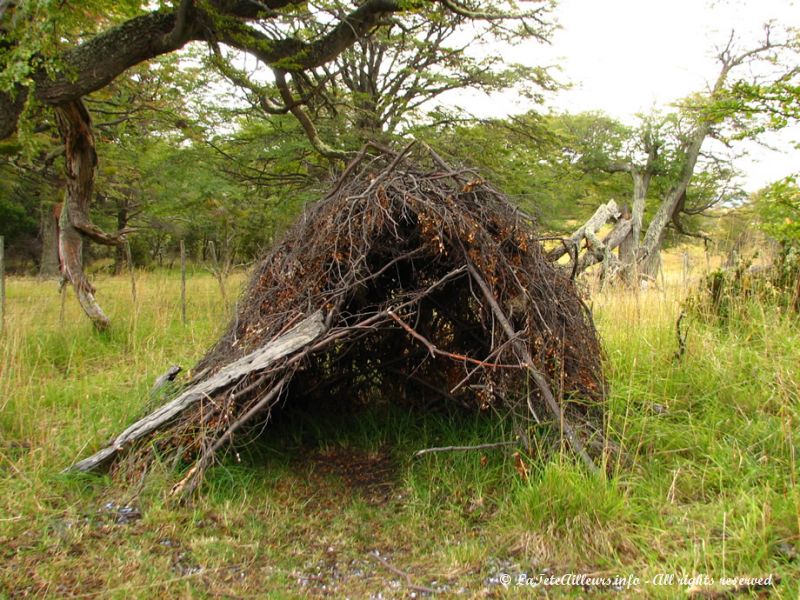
pixel 190 481
pixel 169 375
pixel 403 574
pixel 434 350
pixel 392 166
pixel 418 380
pixel 464 448
pixel 682 335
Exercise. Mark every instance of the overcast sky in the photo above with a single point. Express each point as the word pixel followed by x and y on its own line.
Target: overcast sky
pixel 628 56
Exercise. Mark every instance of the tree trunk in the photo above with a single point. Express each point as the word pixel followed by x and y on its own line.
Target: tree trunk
pixel 75 127
pixel 641 182
pixel 649 256
pixel 629 248
pixel 120 257
pixel 627 259
pixel 49 264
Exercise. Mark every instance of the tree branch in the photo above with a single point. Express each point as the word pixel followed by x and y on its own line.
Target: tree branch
pixel 305 121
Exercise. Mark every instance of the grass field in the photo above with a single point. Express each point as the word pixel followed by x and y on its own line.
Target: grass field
pixel 334 505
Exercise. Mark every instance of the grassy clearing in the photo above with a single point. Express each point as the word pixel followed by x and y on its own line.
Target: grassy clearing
pixel 706 485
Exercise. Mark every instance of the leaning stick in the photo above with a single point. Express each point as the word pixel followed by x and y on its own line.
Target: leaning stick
pixel 538 378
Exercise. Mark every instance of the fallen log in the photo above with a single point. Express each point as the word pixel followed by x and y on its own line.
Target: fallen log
pixel 296 338
pixel 588 231
pixel 616 236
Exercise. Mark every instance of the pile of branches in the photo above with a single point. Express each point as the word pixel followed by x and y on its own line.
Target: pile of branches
pixel 409 281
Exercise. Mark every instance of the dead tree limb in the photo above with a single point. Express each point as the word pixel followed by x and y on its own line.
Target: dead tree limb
pixel 301 335
pixel 434 351
pixel 588 231
pixel 465 448
pixel 400 573
pixel 539 379
pixel 612 241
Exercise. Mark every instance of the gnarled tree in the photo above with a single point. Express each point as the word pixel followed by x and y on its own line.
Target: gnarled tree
pixel 703 117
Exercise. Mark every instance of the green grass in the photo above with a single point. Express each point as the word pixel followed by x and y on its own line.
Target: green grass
pixel 705 482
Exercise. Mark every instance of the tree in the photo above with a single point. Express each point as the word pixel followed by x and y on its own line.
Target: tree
pixel 706 116
pixel 106 39
pixel 778 206
pixel 385 84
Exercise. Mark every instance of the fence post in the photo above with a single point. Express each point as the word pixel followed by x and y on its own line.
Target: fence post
pixel 129 257
pixel 183 283
pixel 685 269
pixel 63 291
pixel 2 283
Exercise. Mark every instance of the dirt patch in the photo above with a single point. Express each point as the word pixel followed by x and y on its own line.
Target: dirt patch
pixel 371 474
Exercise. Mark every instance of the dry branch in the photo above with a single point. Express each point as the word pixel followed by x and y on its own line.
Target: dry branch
pixel 304 333
pixel 539 379
pixel 588 231
pixel 491 446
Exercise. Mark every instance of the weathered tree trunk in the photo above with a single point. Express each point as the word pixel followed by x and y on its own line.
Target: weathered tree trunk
pixel 649 255
pixel 627 258
pixel 641 183
pixel 75 127
pixel 629 247
pixel 49 264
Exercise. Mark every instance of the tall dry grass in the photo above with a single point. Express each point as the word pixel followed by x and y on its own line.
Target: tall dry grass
pixel 705 480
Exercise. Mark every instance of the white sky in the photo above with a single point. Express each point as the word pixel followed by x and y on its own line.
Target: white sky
pixel 628 56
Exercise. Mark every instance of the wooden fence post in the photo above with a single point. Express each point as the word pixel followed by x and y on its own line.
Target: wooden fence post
pixel 129 258
pixel 63 290
pixel 2 284
pixel 183 283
